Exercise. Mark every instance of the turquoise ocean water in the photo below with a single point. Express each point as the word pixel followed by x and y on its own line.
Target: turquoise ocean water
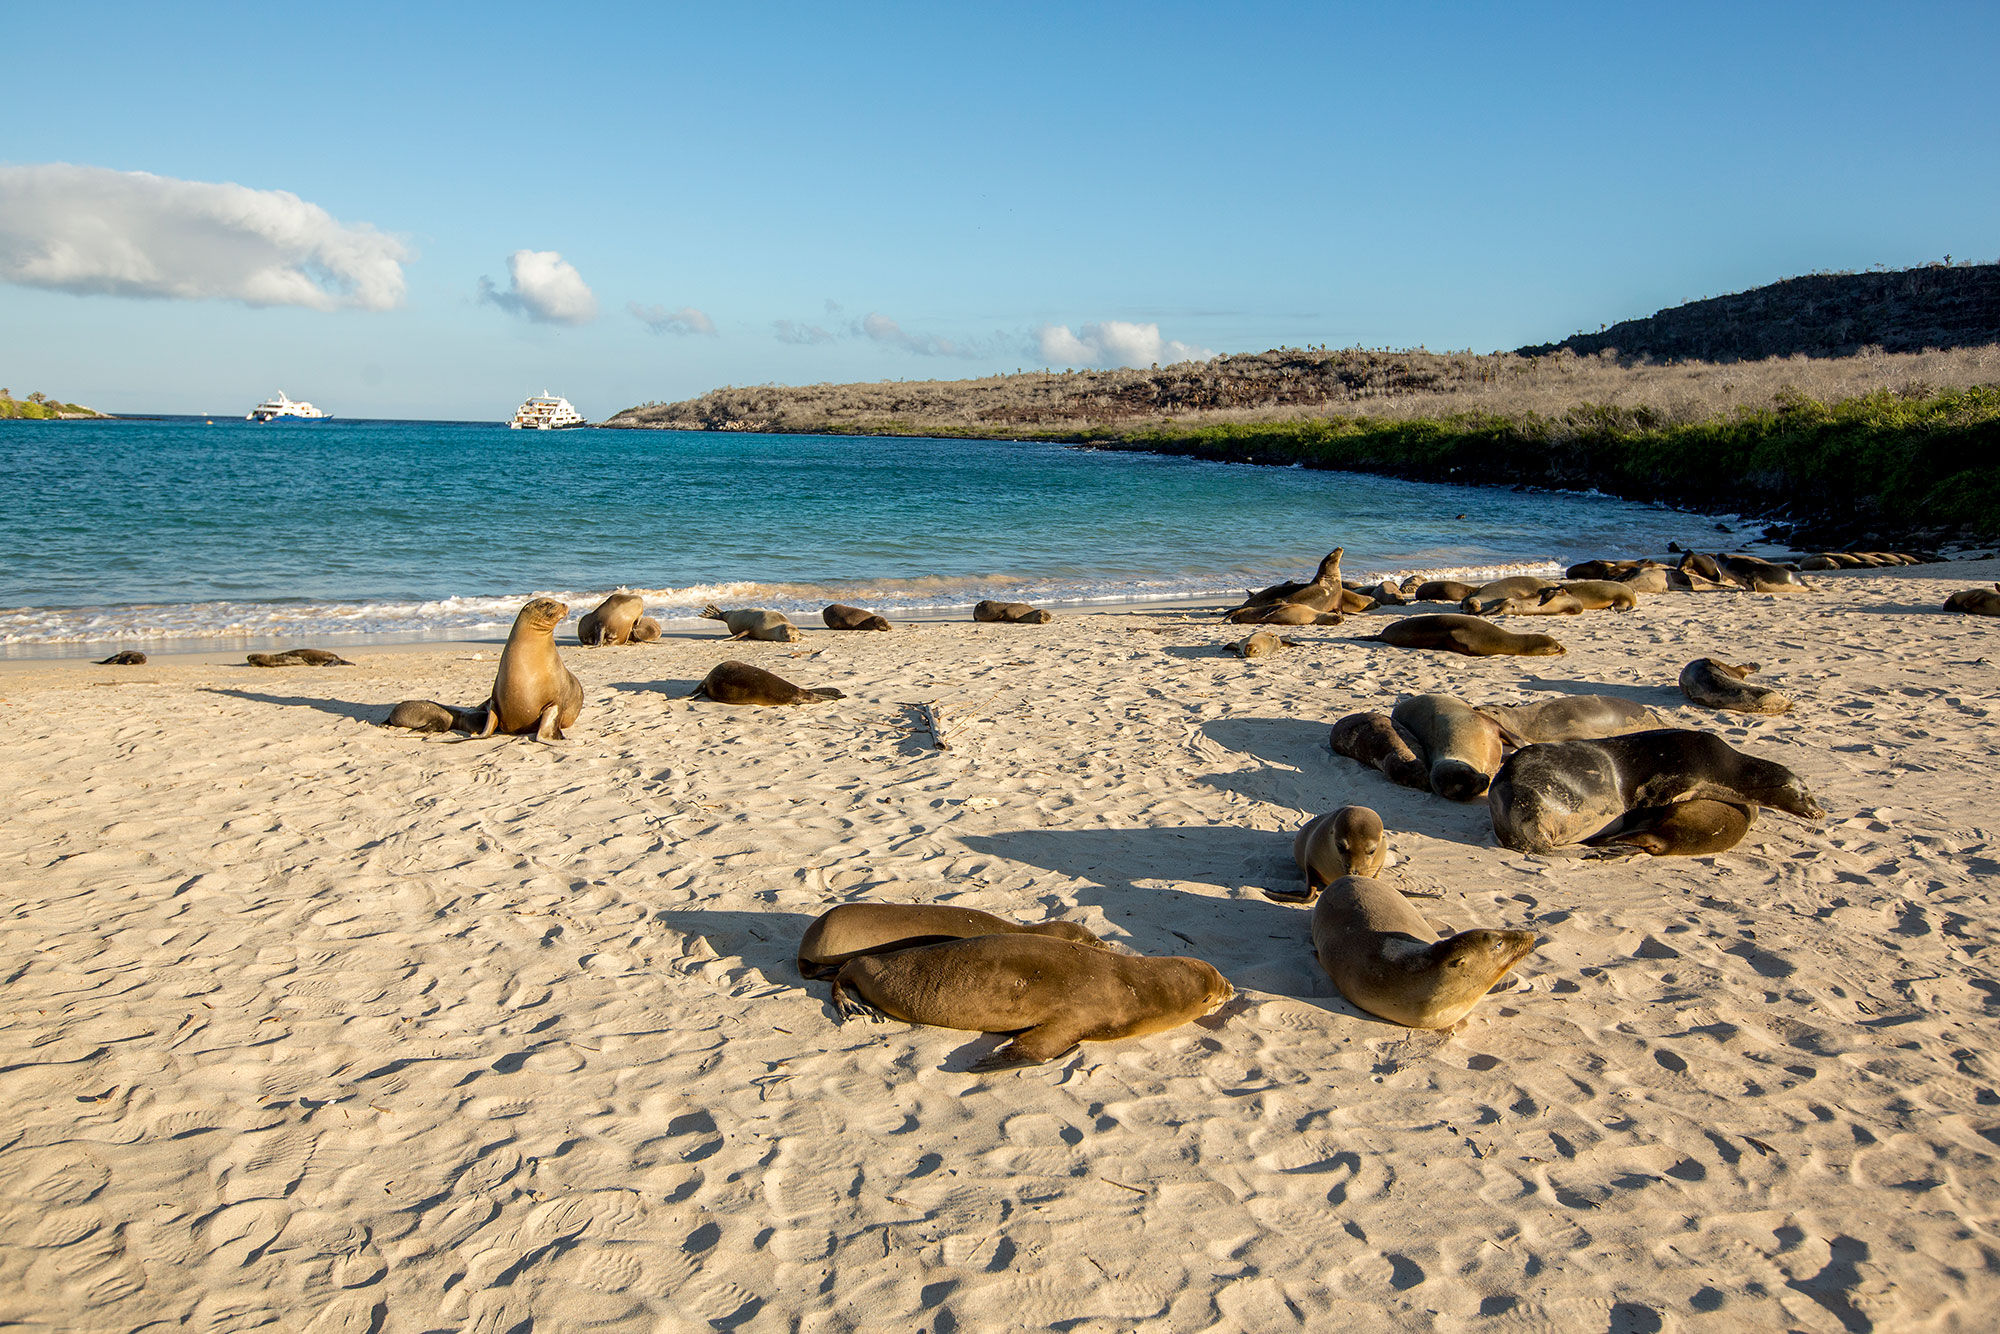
pixel 178 534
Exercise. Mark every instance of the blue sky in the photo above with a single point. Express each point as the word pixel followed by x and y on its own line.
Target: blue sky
pixel 815 192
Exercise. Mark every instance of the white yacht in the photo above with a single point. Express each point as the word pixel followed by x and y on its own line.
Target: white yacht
pixel 277 405
pixel 546 412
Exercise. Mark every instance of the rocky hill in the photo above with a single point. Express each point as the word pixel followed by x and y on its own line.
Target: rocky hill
pixel 40 407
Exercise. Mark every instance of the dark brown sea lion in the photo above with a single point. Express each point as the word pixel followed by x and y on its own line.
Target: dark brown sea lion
pixel 1604 569
pixel 740 683
pixel 1551 798
pixel 427 715
pixel 299 657
pixel 1443 590
pixel 1386 959
pixel 1016 613
pixel 1684 829
pixel 855 929
pixel 1648 578
pixel 1975 601
pixel 1496 591
pixel 1572 718
pixel 1375 740
pixel 1462 747
pixel 840 616
pixel 1749 572
pixel 1317 592
pixel 613 620
pixel 131 657
pixel 1722 685
pixel 1470 635
pixel 749 623
pixel 1349 841
pixel 1050 994
pixel 532 690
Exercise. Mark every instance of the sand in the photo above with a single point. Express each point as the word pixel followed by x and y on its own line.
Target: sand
pixel 316 1025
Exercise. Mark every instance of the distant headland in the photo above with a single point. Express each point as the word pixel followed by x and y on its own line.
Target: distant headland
pixel 40 407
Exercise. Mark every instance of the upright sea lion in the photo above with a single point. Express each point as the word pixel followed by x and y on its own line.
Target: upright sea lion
pixel 840 616
pixel 1722 685
pixel 1349 841
pixel 613 620
pixel 1551 798
pixel 532 690
pixel 1975 601
pixel 1571 718
pixel 1376 740
pixel 1684 829
pixel 1386 959
pixel 131 657
pixel 855 929
pixel 1463 748
pixel 1050 994
pixel 740 683
pixel 749 623
pixel 1284 613
pixel 1443 590
pixel 1017 613
pixel 1470 635
pixel 299 657
pixel 427 715
pixel 1317 592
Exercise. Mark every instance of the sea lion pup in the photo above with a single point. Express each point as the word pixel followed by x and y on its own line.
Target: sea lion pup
pixel 1260 645
pixel 749 623
pixel 1683 829
pixel 1722 685
pixel 298 657
pixel 645 630
pixel 1470 635
pixel 1050 994
pixel 840 616
pixel 1377 740
pixel 1349 841
pixel 1443 590
pixel 427 715
pixel 1386 593
pixel 612 622
pixel 740 683
pixel 1386 959
pixel 1970 601
pixel 1571 718
pixel 1550 798
pixel 1284 613
pixel 1317 592
pixel 131 657
pixel 855 929
pixel 533 691
pixel 1499 590
pixel 1015 613
pixel 1463 748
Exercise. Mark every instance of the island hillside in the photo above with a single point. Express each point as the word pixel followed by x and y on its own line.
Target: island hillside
pixel 40 407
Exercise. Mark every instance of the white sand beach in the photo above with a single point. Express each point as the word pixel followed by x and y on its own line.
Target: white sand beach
pixel 315 1025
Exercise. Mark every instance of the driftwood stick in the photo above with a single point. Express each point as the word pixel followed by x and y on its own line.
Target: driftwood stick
pixel 932 717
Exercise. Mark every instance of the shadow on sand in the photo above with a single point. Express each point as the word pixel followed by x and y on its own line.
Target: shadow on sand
pixel 339 708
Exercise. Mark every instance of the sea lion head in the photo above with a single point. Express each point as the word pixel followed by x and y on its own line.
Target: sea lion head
pixel 789 633
pixel 542 614
pixel 1216 990
pixel 1791 796
pixel 1329 569
pixel 1069 931
pixel 1541 646
pixel 1455 780
pixel 1470 964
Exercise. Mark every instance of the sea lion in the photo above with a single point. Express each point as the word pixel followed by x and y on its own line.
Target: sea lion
pixel 1284 613
pixel 645 630
pixel 1443 590
pixel 1600 594
pixel 1317 592
pixel 427 715
pixel 1683 829
pixel 855 929
pixel 299 657
pixel 1385 593
pixel 1463 748
pixel 1969 601
pixel 532 690
pixel 1377 740
pixel 1499 590
pixel 1603 569
pixel 612 622
pixel 131 657
pixel 1261 645
pixel 1760 576
pixel 1722 685
pixel 1550 798
pixel 1349 841
pixel 740 683
pixel 1550 602
pixel 1050 994
pixel 1016 613
pixel 1386 959
pixel 1648 578
pixel 749 623
pixel 1571 718
pixel 840 616
pixel 1470 635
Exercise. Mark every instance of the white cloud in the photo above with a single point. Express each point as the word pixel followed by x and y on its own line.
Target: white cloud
pixel 803 334
pixel 882 329
pixel 92 230
pixel 686 320
pixel 543 287
pixel 1112 343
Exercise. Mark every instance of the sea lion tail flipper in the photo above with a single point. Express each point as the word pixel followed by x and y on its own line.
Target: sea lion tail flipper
pixel 709 611
pixel 1038 1046
pixel 492 723
pixel 827 692
pixel 546 727
pixel 849 1006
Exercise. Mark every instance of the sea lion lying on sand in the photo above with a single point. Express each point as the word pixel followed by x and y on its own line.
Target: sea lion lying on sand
pixel 1349 841
pixel 1050 994
pixel 1463 748
pixel 1760 576
pixel 739 683
pixel 1606 569
pixel 1488 595
pixel 855 929
pixel 1723 685
pixel 840 616
pixel 1015 613
pixel 1684 829
pixel 749 623
pixel 299 657
pixel 1470 635
pixel 427 715
pixel 1377 740
pixel 532 690
pixel 644 631
pixel 1970 601
pixel 131 657
pixel 613 620
pixel 1443 590
pixel 1386 959
pixel 1261 645
pixel 1284 613
pixel 1571 718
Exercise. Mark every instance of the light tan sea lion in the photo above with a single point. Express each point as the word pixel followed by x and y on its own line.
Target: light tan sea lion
pixel 1014 613
pixel 645 630
pixel 1386 959
pixel 1571 718
pixel 1470 635
pixel 1972 601
pixel 612 622
pixel 1684 829
pixel 1385 592
pixel 131 657
pixel 1284 613
pixel 1463 748
pixel 1376 740
pixel 299 657
pixel 1648 578
pixel 1050 994
pixel 532 690
pixel 1349 841
pixel 840 616
pixel 1601 594
pixel 749 623
pixel 1722 685
pixel 1443 590
pixel 1549 602
pixel 1551 798
pixel 855 929
pixel 740 683
pixel 427 715
pixel 1317 592
pixel 1820 561
pixel 1261 645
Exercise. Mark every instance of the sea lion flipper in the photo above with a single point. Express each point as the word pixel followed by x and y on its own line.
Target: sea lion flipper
pixel 826 692
pixel 492 723
pixel 547 728
pixel 1037 1046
